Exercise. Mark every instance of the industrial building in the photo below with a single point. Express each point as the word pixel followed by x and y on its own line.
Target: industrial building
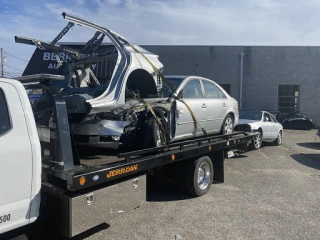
pixel 279 78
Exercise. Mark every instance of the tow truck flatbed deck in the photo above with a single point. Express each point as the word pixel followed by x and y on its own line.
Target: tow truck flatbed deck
pixel 131 163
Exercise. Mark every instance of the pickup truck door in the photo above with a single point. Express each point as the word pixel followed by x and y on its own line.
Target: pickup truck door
pixel 15 161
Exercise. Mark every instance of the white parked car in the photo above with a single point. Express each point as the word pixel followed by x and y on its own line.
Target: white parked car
pixel 263 122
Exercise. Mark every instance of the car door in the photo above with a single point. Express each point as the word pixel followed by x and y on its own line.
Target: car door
pixel 215 106
pixel 275 127
pixel 191 94
pixel 267 126
pixel 15 161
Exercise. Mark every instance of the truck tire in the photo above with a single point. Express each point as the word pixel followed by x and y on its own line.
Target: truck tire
pixel 199 175
pixel 152 135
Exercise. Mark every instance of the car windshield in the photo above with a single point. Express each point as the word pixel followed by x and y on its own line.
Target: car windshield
pixel 250 115
pixel 166 91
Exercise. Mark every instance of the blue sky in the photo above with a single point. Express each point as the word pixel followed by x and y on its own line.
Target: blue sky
pixel 176 22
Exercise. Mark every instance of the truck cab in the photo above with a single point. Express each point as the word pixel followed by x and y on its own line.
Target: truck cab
pixel 20 158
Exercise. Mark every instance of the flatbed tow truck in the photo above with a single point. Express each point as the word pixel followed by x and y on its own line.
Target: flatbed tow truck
pixel 44 177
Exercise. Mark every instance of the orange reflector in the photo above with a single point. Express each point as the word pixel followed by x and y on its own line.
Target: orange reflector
pixel 173 157
pixel 82 180
pixel 210 148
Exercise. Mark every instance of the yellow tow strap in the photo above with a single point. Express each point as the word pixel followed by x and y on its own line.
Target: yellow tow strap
pixel 169 84
pixel 153 113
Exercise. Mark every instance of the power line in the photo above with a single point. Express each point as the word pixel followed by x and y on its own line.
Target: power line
pixel 13 67
pixel 17 69
pixel 10 76
pixel 7 76
pixel 16 56
pixel 13 73
pixel 21 64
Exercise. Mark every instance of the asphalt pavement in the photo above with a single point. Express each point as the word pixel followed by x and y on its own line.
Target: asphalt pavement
pixel 271 193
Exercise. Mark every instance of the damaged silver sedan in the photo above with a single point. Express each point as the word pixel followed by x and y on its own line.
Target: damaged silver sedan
pixel 137 107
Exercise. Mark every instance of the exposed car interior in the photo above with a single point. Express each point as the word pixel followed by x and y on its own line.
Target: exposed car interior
pixel 192 90
pixel 142 83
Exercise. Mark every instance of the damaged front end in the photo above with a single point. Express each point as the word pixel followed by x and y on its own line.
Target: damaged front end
pixel 101 111
pixel 123 125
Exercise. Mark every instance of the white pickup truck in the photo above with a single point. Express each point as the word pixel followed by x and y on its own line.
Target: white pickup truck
pixel 39 164
pixel 20 158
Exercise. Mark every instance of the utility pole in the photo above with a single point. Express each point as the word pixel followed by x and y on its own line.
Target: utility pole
pixel 2 62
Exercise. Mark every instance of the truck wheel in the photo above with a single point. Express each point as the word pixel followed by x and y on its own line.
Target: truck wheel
pixel 228 125
pixel 152 135
pixel 278 140
pixel 199 176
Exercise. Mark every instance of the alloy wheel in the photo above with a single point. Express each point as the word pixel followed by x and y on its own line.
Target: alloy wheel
pixel 257 141
pixel 228 126
pixel 279 138
pixel 204 175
